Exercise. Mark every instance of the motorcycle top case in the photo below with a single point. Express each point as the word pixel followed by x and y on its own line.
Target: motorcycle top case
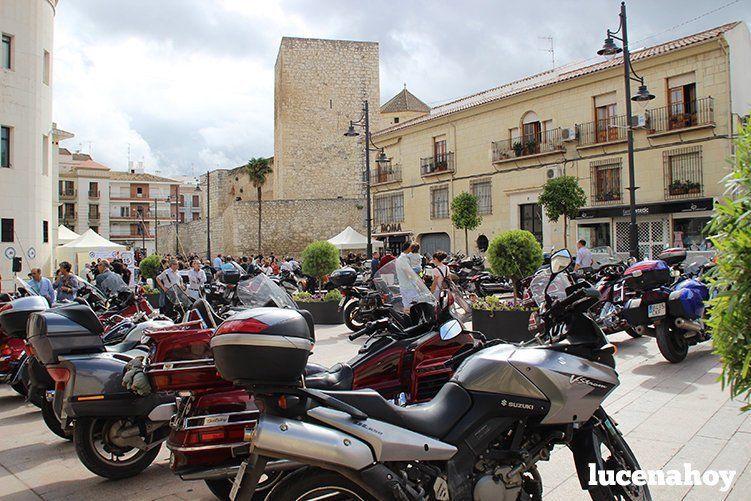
pixel 14 317
pixel 673 255
pixel 66 330
pixel 263 346
pixel 343 277
pixel 647 275
pixel 687 300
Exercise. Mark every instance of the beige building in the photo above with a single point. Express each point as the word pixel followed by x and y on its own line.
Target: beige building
pixel 83 192
pixel 503 144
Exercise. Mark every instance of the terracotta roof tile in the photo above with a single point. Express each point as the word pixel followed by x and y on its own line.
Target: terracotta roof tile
pixel 404 101
pixel 117 175
pixel 556 76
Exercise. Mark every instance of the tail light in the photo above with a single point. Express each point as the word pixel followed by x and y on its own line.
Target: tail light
pixel 5 307
pixel 5 350
pixel 59 374
pixel 249 325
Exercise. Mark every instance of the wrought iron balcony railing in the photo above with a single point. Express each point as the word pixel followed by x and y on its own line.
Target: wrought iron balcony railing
pixel 549 141
pixel 682 115
pixel 67 194
pixel 386 173
pixel 683 173
pixel 431 166
pixel 93 194
pixel 602 131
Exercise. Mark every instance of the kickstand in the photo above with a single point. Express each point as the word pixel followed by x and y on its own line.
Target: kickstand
pixel 247 478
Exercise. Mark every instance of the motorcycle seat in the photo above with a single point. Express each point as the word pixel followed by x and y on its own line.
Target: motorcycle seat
pixel 435 418
pixel 339 377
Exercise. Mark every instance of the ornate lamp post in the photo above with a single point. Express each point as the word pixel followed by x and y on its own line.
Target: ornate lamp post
pixel 364 121
pixel 609 48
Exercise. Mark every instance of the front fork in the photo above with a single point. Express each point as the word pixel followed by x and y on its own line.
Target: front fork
pixel 585 448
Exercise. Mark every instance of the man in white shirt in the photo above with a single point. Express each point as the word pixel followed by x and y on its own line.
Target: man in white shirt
pixel 168 278
pixel 583 257
pixel 196 279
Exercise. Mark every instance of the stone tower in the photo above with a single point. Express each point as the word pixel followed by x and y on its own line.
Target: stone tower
pixel 319 87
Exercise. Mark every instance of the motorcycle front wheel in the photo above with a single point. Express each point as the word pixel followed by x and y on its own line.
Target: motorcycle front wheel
pixel 351 315
pixel 102 455
pixel 307 484
pixel 672 344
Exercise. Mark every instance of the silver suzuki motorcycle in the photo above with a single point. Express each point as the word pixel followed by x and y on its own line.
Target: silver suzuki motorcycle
pixel 505 409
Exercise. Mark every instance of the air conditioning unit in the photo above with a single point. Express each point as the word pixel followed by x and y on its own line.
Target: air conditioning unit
pixel 554 172
pixel 568 134
pixel 639 121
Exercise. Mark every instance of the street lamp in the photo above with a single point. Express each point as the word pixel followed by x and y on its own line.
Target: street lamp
pixel 142 227
pixel 609 48
pixel 364 121
pixel 177 225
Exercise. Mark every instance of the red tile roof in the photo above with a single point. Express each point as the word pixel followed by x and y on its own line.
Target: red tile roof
pixel 556 76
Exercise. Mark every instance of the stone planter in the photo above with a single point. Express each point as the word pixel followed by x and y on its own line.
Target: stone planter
pixel 511 326
pixel 324 312
pixel 153 300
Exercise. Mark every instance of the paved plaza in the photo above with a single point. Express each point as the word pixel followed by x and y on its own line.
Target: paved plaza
pixel 671 415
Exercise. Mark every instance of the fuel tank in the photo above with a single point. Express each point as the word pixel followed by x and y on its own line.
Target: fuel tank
pixel 574 386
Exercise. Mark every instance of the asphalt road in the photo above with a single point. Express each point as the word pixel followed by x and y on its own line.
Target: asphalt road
pixel 671 414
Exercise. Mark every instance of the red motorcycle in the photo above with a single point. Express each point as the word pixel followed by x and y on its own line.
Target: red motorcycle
pixel 404 359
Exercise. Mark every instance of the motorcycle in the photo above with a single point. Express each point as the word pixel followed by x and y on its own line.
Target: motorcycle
pixel 613 296
pixel 403 360
pixel 669 306
pixel 481 437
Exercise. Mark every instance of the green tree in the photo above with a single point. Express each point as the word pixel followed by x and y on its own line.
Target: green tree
pixel 730 310
pixel 562 196
pixel 258 170
pixel 464 214
pixel 319 259
pixel 149 266
pixel 514 254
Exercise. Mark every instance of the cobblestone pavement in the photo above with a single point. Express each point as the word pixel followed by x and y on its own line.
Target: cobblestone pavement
pixel 671 414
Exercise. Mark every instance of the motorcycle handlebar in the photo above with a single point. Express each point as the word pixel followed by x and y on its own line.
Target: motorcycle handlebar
pixel 369 328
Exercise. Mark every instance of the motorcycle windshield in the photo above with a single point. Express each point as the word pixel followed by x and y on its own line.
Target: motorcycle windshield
pixel 94 291
pixel 23 285
pixel 177 296
pixel 557 289
pixel 261 291
pixel 399 285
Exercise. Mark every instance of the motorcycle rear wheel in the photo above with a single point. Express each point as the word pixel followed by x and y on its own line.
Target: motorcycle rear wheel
pixel 88 433
pixel 671 343
pixel 221 487
pixel 20 388
pixel 307 484
pixel 350 313
pixel 53 422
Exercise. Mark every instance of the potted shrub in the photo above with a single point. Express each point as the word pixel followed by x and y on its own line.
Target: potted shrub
pixel 693 187
pixel 677 188
pixel 513 254
pixel 323 307
pixel 531 147
pixel 318 260
pixel 152 295
pixel 518 148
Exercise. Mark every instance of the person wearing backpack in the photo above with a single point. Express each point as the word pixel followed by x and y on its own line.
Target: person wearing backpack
pixel 440 274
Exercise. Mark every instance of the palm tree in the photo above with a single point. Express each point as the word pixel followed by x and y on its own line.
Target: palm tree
pixel 258 169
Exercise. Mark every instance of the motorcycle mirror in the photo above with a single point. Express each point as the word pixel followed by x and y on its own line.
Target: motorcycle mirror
pixel 451 329
pixel 560 261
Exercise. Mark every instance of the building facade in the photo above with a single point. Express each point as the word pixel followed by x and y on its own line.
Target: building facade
pixel 83 193
pixel 503 145
pixel 139 204
pixel 28 173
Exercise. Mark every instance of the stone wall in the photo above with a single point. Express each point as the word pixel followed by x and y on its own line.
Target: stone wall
pixel 320 86
pixel 288 227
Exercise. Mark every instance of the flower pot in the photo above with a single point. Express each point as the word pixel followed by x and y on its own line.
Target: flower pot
pixel 324 312
pixel 510 326
pixel 153 300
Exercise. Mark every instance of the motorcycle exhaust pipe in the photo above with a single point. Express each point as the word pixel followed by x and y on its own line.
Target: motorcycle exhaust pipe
pixel 689 325
pixel 309 443
pixel 641 330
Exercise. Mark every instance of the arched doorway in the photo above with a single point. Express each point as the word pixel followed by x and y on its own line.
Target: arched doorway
pixel 431 242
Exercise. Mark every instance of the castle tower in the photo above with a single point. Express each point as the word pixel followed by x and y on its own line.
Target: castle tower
pixel 320 86
pixel 403 107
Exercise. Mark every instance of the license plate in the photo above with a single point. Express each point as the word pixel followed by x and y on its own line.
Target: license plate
pixel 214 420
pixel 656 310
pixel 341 301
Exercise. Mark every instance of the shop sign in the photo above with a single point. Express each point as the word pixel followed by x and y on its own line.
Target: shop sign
pixel 702 204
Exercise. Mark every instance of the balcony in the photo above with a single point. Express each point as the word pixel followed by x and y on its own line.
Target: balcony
pixel 386 173
pixel 433 166
pixel 67 194
pixel 93 217
pixel 679 116
pixel 602 131
pixel 522 146
pixel 93 194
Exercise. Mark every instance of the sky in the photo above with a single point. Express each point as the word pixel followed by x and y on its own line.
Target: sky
pixel 187 85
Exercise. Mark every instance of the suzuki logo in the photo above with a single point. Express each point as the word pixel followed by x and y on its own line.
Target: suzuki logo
pixel 504 403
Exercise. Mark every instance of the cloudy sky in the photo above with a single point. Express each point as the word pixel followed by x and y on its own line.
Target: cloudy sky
pixel 187 85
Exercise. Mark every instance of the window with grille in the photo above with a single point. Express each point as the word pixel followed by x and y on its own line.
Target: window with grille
pixel 605 177
pixel 482 190
pixel 45 231
pixel 5 147
pixel 683 172
pixel 6 230
pixel 389 208
pixel 439 203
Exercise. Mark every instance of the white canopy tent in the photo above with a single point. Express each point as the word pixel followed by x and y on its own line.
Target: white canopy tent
pixel 65 235
pixel 350 238
pixel 80 250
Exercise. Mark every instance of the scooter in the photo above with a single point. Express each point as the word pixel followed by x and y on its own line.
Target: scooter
pixel 481 437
